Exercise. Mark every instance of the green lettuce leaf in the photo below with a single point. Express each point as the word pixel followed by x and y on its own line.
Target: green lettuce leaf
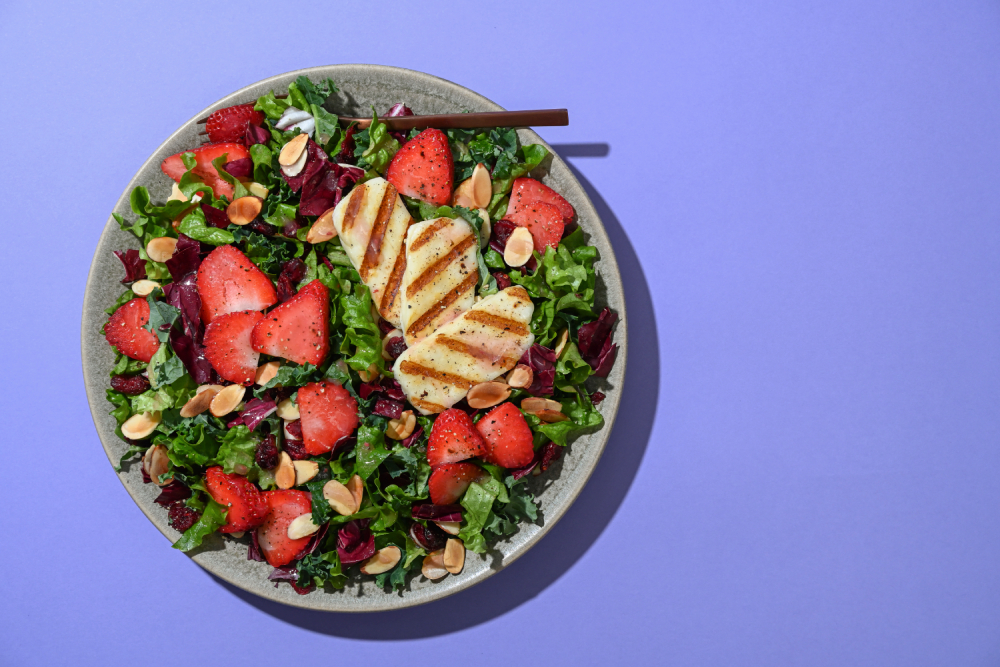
pixel 212 518
pixel 194 225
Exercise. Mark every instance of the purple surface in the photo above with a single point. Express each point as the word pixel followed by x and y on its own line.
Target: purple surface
pixel 805 469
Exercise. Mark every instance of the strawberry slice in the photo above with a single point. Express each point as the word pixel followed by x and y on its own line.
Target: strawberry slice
pixel 528 190
pixel 328 413
pixel 453 438
pixel 230 124
pixel 448 482
pixel 298 329
pixel 272 536
pixel 507 436
pixel 544 221
pixel 124 331
pixel 227 346
pixel 174 167
pixel 247 507
pixel 423 168
pixel 229 282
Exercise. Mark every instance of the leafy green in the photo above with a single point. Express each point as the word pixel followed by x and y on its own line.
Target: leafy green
pixel 375 147
pixel 272 106
pixel 212 518
pixel 321 510
pixel 194 225
pixel 321 569
pixel 237 450
pixel 477 501
pixel 370 450
pixel 269 253
pixel 361 331
pixel 239 190
pixel 582 416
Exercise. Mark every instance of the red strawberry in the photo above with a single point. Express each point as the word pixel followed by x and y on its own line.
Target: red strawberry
pixel 229 282
pixel 227 346
pixel 544 221
pixel 174 167
pixel 328 413
pixel 247 507
pixel 272 537
pixel 449 482
pixel 124 331
pixel 298 329
pixel 527 190
pixel 423 168
pixel 230 124
pixel 453 438
pixel 507 436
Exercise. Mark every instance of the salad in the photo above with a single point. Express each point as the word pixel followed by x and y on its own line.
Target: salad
pixel 349 348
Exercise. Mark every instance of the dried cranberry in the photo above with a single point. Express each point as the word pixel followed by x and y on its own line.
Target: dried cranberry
pixel 395 347
pixel 503 280
pixel 296 449
pixel 182 517
pixel 292 273
pixel 130 385
pixel 550 452
pixel 267 453
pixel 262 227
pixel 384 326
pixel 597 397
pixel 294 429
pixel 430 537
pixel 501 232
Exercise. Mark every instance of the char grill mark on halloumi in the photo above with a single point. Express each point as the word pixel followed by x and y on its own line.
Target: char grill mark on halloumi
pixel 479 345
pixel 372 223
pixel 440 277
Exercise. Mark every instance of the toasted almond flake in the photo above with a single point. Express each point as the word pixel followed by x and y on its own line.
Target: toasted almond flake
pixel 257 190
pixel 384 560
pixel 433 566
pixel 519 246
pixel 161 248
pixel 142 425
pixel 287 410
pixel 454 555
pixel 244 210
pixel 237 535
pixel 323 229
pixel 266 372
pixel 535 404
pixel 370 374
pixel 402 428
pixel 551 416
pixel 301 526
pixel 395 333
pixel 293 150
pixel 475 191
pixel 561 344
pixel 450 527
pixel 284 474
pixel 144 287
pixel 356 486
pixel 176 194
pixel 340 498
pixel 227 399
pixel 487 394
pixel 304 471
pixel 156 463
pixel 521 376
pixel 200 401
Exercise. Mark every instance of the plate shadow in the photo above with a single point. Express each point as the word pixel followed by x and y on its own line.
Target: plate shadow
pixel 582 524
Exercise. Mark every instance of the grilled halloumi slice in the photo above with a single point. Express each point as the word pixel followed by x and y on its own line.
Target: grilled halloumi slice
pixel 479 345
pixel 372 222
pixel 439 282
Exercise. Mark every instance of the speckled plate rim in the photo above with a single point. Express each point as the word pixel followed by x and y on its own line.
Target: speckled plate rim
pixel 379 85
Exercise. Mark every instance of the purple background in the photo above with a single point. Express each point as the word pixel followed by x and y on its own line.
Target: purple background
pixel 804 200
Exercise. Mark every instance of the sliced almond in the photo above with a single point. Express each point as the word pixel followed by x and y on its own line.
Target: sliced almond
pixel 561 342
pixel 551 416
pixel 293 150
pixel 140 426
pixel 384 560
pixel 323 229
pixel 475 191
pixel 402 428
pixel 340 498
pixel 287 410
pixel 227 399
pixel 433 567
pixel 487 394
pixel 161 248
pixel 395 333
pixel 176 194
pixel 370 374
pixel 519 246
pixel 356 486
pixel 156 462
pixel 454 555
pixel 201 400
pixel 304 471
pixel 237 535
pixel 144 287
pixel 521 377
pixel 284 474
pixel 534 405
pixel 301 526
pixel 257 190
pixel 266 372
pixel 244 210
pixel 450 527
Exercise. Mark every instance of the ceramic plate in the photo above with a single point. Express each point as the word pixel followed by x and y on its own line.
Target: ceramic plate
pixel 361 87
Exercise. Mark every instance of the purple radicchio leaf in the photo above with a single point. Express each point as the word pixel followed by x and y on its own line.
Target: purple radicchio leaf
pixel 521 472
pixel 594 342
pixel 355 542
pixel 135 266
pixel 429 537
pixel 215 217
pixel 413 437
pixel 256 135
pixel 542 362
pixel 502 229
pixel 186 257
pixel 399 109
pixel 292 273
pixel 325 188
pixel 315 162
pixel 172 492
pixel 549 453
pixel 287 573
pixel 437 512
pixel 254 412
pixel 253 553
pixel 388 408
pixel 346 154
pixel 242 168
pixel 381 385
pixel 185 336
pixel 315 540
